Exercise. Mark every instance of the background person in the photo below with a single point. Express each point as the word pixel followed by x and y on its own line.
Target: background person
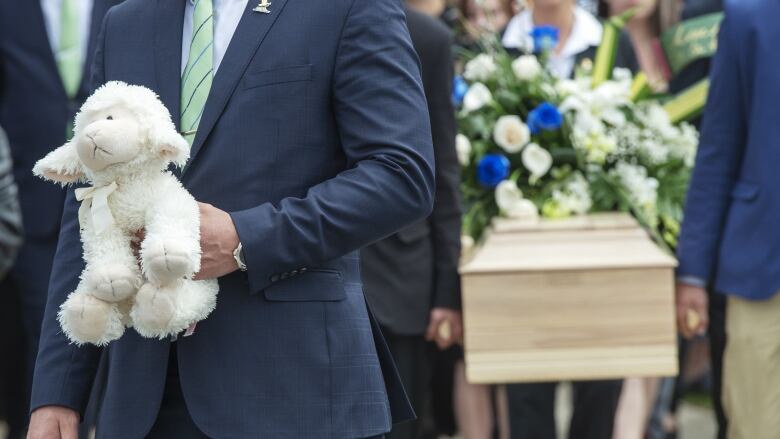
pixel 11 347
pixel 45 54
pixel 728 238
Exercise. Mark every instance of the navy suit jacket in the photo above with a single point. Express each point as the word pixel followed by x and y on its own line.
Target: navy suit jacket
pixel 730 234
pixel 316 139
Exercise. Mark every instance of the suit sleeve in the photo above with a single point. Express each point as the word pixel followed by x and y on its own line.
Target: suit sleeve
pixel 64 372
pixel 723 138
pixel 380 112
pixel 445 220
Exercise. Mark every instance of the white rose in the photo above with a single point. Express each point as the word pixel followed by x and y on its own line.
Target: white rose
pixel 511 134
pixel 481 68
pixel 526 67
pixel 537 160
pixel 463 147
pixel 477 97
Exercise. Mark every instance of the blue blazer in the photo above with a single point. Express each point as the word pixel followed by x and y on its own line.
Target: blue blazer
pixel 316 139
pixel 730 236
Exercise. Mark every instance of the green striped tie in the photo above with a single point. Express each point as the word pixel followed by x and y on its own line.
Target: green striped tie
pixel 197 76
pixel 69 53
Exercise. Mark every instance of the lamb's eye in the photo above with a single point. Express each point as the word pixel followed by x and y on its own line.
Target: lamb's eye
pixel 110 118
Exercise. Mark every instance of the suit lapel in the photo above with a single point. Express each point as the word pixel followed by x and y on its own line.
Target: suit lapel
pixel 248 36
pixel 169 21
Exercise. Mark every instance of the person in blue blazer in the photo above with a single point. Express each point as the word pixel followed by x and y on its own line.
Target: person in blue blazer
pixel 313 142
pixel 36 105
pixel 730 239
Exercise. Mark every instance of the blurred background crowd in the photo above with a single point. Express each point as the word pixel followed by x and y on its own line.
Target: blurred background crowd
pixel 411 279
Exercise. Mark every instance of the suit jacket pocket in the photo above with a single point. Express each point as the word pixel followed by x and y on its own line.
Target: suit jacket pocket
pixel 314 285
pixel 745 191
pixel 279 75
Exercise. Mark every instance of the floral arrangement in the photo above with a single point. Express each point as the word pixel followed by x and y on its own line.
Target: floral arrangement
pixel 531 144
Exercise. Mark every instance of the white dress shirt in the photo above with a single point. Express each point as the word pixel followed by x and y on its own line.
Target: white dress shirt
pixel 585 33
pixel 227 14
pixel 51 17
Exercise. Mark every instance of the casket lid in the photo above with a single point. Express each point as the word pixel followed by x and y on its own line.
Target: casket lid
pixel 590 242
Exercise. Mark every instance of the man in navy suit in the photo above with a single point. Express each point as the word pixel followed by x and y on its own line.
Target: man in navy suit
pixel 36 104
pixel 730 238
pixel 313 141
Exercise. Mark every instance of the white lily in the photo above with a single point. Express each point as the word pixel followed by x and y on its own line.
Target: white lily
pixel 477 97
pixel 463 148
pixel 537 160
pixel 510 201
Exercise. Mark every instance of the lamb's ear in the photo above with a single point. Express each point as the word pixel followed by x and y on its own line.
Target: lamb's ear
pixel 170 145
pixel 61 165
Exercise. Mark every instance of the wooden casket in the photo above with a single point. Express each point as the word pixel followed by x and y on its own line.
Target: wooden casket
pixel 583 298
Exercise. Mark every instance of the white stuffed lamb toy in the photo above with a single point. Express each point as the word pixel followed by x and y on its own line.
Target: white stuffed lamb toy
pixel 123 142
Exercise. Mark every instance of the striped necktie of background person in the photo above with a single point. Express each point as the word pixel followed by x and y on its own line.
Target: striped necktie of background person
pixel 69 54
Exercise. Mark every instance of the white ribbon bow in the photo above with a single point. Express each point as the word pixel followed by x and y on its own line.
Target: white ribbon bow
pixel 94 201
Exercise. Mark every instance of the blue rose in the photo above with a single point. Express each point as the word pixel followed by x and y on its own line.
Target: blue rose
pixel 492 170
pixel 545 38
pixel 459 89
pixel 544 117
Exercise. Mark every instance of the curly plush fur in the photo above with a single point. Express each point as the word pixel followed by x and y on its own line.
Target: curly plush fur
pixel 124 135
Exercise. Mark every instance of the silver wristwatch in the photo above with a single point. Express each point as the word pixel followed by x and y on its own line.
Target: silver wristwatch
pixel 238 255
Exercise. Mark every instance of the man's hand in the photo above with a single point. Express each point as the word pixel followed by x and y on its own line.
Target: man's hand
pixel 218 239
pixel 445 327
pixel 53 422
pixel 692 314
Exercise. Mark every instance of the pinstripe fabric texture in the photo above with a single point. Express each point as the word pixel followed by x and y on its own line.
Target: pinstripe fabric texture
pixel 199 73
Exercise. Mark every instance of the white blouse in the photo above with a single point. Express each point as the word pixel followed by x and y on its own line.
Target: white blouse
pixel 586 32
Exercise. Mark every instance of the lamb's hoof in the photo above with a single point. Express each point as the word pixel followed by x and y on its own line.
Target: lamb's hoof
pixel 167 260
pixel 153 311
pixel 113 283
pixel 87 319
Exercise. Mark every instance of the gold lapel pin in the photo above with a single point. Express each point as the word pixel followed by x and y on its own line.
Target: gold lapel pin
pixel 262 7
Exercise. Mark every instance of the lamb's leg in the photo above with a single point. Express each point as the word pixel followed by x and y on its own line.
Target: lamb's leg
pixel 91 314
pixel 112 272
pixel 160 312
pixel 86 319
pixel 171 248
pixel 170 256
